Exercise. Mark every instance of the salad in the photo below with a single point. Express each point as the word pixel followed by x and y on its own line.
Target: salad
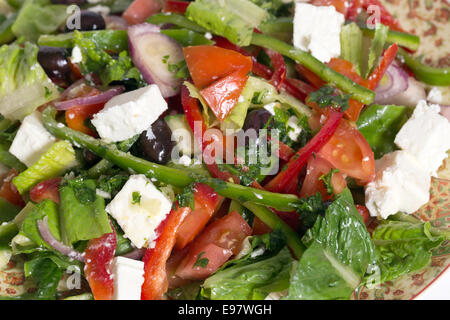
pixel 214 149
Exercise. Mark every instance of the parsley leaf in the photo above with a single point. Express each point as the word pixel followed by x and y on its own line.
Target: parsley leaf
pixel 326 179
pixel 201 262
pixel 136 197
pixel 326 96
pixel 186 196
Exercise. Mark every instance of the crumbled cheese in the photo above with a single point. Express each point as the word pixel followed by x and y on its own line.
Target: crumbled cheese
pixel 317 29
pixel 77 56
pixel 140 219
pixel 294 129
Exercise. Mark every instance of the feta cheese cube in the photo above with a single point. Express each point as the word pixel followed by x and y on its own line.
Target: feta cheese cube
pixel 426 136
pixel 294 129
pixel 318 29
pixel 129 114
pixel 128 275
pixel 401 184
pixel 139 208
pixel 31 140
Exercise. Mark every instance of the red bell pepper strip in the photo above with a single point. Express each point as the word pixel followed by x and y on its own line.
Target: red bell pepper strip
pixel 388 56
pixel 155 276
pixel 298 161
pixel 175 6
pixel 279 68
pixel 298 88
pixel 98 256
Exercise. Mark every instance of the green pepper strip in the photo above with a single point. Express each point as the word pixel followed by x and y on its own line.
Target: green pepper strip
pixel 9 160
pixel 327 74
pixel 403 39
pixel 104 165
pixel 427 74
pixel 273 222
pixel 175 177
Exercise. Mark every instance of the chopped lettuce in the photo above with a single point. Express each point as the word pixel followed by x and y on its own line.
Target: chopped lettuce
pixel 38 17
pixel 232 19
pixel 24 86
pixel 340 252
pixel 82 213
pixel 351 44
pixel 405 247
pixel 272 6
pixel 380 125
pixel 46 274
pixel 96 61
pixel 57 159
pixel 6 34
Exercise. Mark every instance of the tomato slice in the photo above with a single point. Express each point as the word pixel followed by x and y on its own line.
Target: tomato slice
pixel 206 204
pixel 155 275
pixel 350 152
pixel 317 166
pixel 340 5
pixel 223 94
pixel 227 233
pixel 140 10
pixel 204 67
pixel 76 117
pixel 48 189
pixel 9 192
pixel 98 256
pixel 364 212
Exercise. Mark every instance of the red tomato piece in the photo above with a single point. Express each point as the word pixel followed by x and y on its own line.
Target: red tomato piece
pixel 98 256
pixel 9 192
pixel 202 62
pixel 155 275
pixel 364 212
pixel 227 233
pixel 349 151
pixel 48 189
pixel 140 10
pixel 311 185
pixel 340 5
pixel 206 204
pixel 223 94
pixel 175 6
pixel 76 117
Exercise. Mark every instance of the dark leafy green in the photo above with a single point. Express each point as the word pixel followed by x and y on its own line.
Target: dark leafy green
pixel 340 250
pixel 326 96
pixel 380 124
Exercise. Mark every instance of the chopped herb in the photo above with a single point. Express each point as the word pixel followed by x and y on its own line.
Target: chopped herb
pixel 136 198
pixel 165 58
pixel 327 96
pixel 186 197
pixel 201 262
pixel 326 179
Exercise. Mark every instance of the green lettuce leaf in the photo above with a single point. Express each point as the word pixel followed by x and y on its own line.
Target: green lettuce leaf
pixel 380 125
pixel 351 44
pixel 340 251
pixel 82 213
pixel 24 86
pixel 38 17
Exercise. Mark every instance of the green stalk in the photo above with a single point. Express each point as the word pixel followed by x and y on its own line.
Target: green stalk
pixel 427 74
pixel 172 176
pixel 176 19
pixel 327 74
pixel 9 160
pixel 403 39
pixel 273 222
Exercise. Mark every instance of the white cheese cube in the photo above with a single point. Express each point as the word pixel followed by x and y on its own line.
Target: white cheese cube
pixel 401 184
pixel 294 129
pixel 128 275
pixel 426 136
pixel 31 140
pixel 129 114
pixel 318 29
pixel 139 208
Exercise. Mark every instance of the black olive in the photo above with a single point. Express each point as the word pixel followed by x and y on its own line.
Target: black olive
pixel 90 158
pixel 89 20
pixel 67 2
pixel 257 119
pixel 53 61
pixel 156 143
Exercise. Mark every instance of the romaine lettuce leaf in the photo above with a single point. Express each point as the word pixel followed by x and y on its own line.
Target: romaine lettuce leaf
pixel 340 251
pixel 24 86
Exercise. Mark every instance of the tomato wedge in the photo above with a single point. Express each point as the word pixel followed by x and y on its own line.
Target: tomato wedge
pixel 175 6
pixel 317 166
pixel 226 233
pixel 155 275
pixel 140 10
pixel 48 189
pixel 76 117
pixel 206 204
pixel 99 254
pixel 350 152
pixel 9 192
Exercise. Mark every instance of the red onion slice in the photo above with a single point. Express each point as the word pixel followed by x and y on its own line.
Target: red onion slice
pixel 136 254
pixel 55 244
pixel 445 111
pixel 85 101
pixel 152 53
pixel 397 82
